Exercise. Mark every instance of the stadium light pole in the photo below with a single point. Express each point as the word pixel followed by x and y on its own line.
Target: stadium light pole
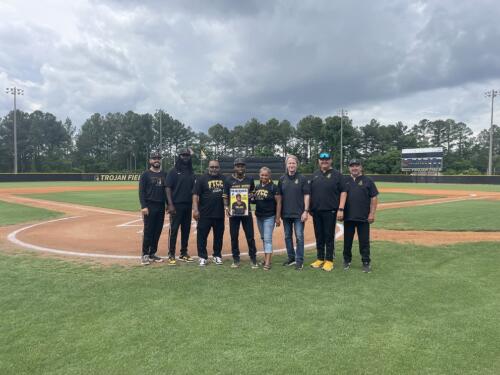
pixel 342 113
pixel 491 94
pixel 15 91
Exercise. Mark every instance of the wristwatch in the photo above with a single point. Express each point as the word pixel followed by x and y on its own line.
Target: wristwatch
pixel 341 209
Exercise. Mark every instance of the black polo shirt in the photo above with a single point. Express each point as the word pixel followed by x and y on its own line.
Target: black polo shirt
pixel 360 191
pixel 325 190
pixel 181 182
pixel 244 183
pixel 210 190
pixel 292 190
pixel 152 188
pixel 265 200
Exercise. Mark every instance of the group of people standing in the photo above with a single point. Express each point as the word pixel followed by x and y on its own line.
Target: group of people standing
pixel 328 197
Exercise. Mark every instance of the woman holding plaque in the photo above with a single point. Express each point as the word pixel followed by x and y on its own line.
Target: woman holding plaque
pixel 268 212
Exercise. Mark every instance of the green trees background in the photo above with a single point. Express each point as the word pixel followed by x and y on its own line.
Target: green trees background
pixel 118 142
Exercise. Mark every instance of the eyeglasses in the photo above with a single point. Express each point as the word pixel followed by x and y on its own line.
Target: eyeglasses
pixel 325 156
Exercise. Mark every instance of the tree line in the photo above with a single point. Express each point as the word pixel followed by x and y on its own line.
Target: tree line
pixel 119 142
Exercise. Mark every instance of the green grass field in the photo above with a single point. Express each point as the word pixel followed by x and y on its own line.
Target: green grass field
pixel 11 213
pixel 127 200
pixel 473 215
pixel 422 310
pixel 466 187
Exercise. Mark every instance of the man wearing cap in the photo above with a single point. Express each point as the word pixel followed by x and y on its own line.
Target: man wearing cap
pixel 208 211
pixel 294 191
pixel 239 180
pixel 327 205
pixel 180 182
pixel 152 197
pixel 359 213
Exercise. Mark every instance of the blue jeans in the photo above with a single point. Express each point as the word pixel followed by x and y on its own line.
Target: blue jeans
pixel 289 225
pixel 266 227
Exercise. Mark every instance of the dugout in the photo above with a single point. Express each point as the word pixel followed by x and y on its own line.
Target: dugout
pixel 275 164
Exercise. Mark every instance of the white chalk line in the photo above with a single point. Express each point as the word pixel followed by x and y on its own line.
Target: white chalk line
pixel 12 237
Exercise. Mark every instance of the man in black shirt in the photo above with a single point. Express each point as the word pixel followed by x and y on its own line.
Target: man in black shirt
pixel 240 181
pixel 152 197
pixel 327 204
pixel 208 210
pixel 180 182
pixel 294 191
pixel 360 210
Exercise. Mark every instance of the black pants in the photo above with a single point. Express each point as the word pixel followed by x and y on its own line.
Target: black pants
pixel 153 225
pixel 363 229
pixel 204 226
pixel 182 219
pixel 234 230
pixel 324 230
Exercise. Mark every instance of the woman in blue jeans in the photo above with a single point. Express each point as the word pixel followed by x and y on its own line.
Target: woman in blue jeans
pixel 268 212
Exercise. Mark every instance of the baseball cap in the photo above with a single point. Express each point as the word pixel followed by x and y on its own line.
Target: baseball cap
pixel 239 161
pixel 354 161
pixel 155 155
pixel 324 155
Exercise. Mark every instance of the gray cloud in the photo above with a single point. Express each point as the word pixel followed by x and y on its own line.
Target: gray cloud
pixel 227 61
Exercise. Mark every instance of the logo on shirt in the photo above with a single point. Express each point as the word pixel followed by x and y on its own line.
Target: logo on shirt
pixel 360 183
pixel 261 194
pixel 296 182
pixel 328 175
pixel 215 184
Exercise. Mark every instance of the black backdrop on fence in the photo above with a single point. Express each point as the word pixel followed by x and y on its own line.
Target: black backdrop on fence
pixel 252 171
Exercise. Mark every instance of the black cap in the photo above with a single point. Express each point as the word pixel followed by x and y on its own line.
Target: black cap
pixel 184 150
pixel 239 161
pixel 155 155
pixel 354 161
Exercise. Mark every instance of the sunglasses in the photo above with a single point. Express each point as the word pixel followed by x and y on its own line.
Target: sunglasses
pixel 324 156
pixel 186 155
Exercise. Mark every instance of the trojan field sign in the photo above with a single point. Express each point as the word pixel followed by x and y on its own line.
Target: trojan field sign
pixel 117 177
pixel 422 159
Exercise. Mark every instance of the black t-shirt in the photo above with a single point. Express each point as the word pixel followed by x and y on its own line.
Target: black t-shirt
pixel 325 190
pixel 360 191
pixel 292 190
pixel 265 200
pixel 181 182
pixel 152 188
pixel 239 208
pixel 210 190
pixel 245 183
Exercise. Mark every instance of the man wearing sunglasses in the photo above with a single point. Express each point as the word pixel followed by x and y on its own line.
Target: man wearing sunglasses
pixel 180 182
pixel 152 197
pixel 328 198
pixel 208 211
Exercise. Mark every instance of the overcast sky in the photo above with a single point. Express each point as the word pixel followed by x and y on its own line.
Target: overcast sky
pixel 228 61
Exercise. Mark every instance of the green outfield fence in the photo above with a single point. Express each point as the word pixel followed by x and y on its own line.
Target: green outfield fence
pixel 132 176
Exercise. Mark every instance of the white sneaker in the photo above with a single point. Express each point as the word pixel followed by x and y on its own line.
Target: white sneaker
pixel 217 260
pixel 203 262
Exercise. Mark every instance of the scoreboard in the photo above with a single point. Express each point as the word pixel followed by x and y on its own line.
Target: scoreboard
pixel 422 159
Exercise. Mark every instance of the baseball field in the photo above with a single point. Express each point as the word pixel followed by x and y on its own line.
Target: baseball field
pixel 74 299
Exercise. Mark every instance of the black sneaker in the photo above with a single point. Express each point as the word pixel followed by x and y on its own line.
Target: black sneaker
pixel 367 268
pixel 155 258
pixel 299 266
pixel 186 258
pixel 347 265
pixel 254 263
pixel 289 262
pixel 145 260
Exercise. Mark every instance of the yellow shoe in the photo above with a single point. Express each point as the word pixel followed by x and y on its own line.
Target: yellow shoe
pixel 328 266
pixel 171 261
pixel 317 263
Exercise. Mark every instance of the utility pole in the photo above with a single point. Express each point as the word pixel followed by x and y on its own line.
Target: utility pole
pixel 491 94
pixel 15 91
pixel 342 113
